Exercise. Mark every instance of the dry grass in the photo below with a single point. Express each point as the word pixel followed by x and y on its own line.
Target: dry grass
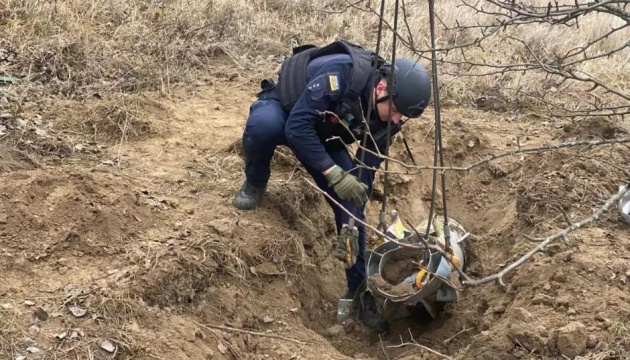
pixel 118 119
pixel 77 47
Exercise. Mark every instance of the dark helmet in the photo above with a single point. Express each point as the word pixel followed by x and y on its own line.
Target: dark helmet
pixel 412 87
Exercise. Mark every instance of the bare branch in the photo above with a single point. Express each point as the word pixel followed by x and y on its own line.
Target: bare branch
pixel 414 343
pixel 522 150
pixel 546 241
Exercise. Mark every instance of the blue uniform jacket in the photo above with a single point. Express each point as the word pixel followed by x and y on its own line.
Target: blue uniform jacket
pixel 326 79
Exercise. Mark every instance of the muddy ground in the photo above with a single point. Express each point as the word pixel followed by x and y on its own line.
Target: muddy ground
pixel 118 239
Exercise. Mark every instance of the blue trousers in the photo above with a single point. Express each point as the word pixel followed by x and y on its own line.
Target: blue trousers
pixel 264 131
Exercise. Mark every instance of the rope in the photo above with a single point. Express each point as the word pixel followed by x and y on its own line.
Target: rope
pixel 390 87
pixel 439 150
pixel 370 100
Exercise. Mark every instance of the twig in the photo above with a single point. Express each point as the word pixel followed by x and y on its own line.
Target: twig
pixel 227 328
pixel 456 335
pixel 522 150
pixel 383 347
pixel 416 344
pixel 220 339
pixel 546 241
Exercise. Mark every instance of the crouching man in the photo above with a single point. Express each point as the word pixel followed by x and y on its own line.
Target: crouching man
pixel 319 105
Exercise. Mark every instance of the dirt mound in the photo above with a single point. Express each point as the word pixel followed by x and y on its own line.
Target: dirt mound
pixel 13 159
pixel 569 185
pixel 594 128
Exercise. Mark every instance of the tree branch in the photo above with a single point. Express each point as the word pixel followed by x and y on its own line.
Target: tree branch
pixel 546 241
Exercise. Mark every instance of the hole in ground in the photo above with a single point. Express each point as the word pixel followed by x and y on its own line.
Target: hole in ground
pixel 457 323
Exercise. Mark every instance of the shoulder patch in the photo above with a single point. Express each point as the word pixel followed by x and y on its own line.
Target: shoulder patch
pixel 333 82
pixel 316 85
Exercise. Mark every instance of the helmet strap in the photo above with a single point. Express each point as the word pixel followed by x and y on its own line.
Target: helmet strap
pixel 384 98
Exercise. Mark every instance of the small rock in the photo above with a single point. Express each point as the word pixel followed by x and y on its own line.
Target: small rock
pixel 223 227
pixel 41 314
pixel 21 357
pixel 33 350
pixel 499 309
pixel 108 346
pixel 563 301
pixel 75 333
pixel 267 319
pixel 522 315
pixel 209 354
pixel 571 311
pixel 28 342
pixel 526 337
pixel 33 330
pixel 6 116
pixel 29 302
pixel 591 342
pixel 559 277
pixel 572 339
pixel 334 330
pixel 266 268
pixel 68 288
pixel 542 299
pixel 542 331
pixel 77 311
pixel 222 348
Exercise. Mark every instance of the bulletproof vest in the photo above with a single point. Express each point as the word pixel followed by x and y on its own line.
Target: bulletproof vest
pixel 293 75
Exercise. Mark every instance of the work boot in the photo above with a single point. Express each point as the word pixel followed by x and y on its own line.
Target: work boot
pixel 249 196
pixel 368 313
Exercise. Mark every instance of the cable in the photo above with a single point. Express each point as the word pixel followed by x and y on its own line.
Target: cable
pixel 439 150
pixel 375 59
pixel 390 89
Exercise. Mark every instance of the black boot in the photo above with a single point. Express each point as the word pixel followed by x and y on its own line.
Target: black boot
pixel 367 313
pixel 249 196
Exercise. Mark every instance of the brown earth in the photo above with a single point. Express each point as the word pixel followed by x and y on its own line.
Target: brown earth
pixel 117 230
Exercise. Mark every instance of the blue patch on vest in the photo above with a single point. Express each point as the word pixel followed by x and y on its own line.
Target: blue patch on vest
pixel 318 87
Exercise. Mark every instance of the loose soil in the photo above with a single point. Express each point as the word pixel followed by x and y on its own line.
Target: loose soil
pixel 118 239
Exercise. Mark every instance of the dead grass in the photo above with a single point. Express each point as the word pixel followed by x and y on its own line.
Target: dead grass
pixel 76 47
pixel 118 119
pixel 13 159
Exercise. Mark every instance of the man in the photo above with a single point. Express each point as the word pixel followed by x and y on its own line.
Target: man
pixel 319 106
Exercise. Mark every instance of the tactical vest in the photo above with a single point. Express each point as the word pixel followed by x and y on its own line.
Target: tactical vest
pixel 293 79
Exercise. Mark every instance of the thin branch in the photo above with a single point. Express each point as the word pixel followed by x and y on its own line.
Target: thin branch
pixel 546 241
pixel 242 331
pixel 522 150
pixel 414 343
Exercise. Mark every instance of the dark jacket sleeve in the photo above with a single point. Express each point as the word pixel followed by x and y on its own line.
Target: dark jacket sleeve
pixel 321 93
